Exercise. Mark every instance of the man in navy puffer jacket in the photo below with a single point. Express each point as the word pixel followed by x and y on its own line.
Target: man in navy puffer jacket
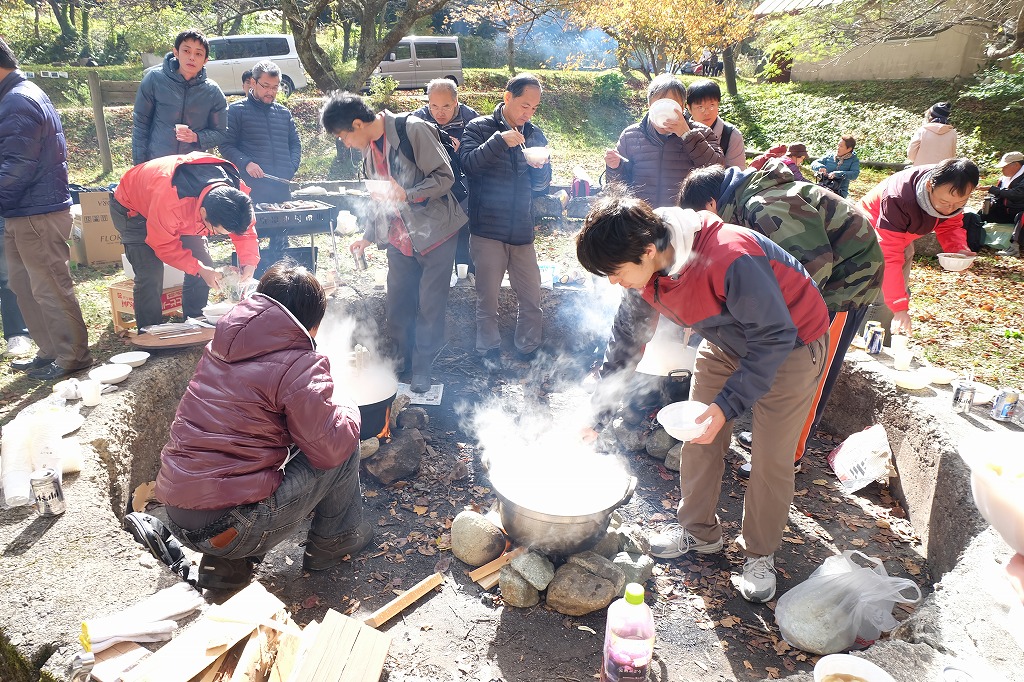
pixel 179 93
pixel 36 204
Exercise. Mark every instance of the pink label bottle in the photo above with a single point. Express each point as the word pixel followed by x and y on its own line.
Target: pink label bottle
pixel 628 638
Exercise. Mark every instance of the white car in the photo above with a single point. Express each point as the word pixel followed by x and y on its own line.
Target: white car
pixel 231 56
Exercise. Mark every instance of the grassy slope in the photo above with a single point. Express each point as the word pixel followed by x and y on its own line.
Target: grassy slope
pixel 881 115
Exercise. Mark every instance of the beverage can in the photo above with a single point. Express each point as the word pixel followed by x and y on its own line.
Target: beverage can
pixel 871 324
pixel 875 340
pixel 49 494
pixel 360 259
pixel 1004 405
pixel 963 397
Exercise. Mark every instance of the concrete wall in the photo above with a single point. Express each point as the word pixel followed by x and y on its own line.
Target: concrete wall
pixel 958 51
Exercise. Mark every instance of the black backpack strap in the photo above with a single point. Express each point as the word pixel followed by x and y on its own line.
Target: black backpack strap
pixel 727 131
pixel 404 145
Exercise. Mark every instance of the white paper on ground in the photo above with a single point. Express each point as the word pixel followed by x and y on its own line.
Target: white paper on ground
pixel 431 397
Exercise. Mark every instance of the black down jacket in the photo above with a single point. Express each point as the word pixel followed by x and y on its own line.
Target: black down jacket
pixel 264 134
pixel 501 184
pixel 164 99
pixel 33 153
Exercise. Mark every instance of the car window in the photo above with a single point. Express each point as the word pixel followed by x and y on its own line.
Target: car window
pixel 448 50
pixel 277 47
pixel 403 51
pixel 426 51
pixel 251 48
pixel 222 49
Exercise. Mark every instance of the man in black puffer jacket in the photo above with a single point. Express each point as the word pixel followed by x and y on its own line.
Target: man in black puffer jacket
pixel 262 139
pixel 36 205
pixel 502 184
pixel 179 94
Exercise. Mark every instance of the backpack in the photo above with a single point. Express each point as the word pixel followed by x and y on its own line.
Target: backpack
pixel 458 190
pixel 727 131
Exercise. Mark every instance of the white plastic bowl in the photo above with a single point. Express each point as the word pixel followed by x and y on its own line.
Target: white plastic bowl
pixel 215 311
pixel 377 186
pixel 836 664
pixel 135 358
pixel 110 374
pixel 536 154
pixel 941 376
pixel 955 262
pixel 680 419
pixel 664 111
pixel 912 381
pixel 997 482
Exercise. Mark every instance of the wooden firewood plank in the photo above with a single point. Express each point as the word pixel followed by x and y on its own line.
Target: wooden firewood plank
pixel 396 605
pixel 340 650
pixel 115 660
pixel 213 670
pixel 257 656
pixel 290 650
pixel 495 566
pixel 488 582
pixel 367 659
pixel 189 654
pixel 343 641
pixel 309 635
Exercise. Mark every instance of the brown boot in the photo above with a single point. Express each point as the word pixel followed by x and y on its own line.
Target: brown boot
pixel 322 553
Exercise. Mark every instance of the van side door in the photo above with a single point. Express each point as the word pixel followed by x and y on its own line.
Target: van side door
pixel 402 69
pixel 219 67
pixel 428 62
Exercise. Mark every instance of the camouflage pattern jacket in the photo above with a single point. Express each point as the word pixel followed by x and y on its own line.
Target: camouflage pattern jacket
pixel 830 236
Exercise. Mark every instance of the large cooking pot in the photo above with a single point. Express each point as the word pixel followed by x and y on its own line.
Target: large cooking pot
pixel 373 389
pixel 553 526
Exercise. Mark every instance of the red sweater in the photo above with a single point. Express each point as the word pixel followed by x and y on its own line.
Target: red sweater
pixel 150 190
pixel 898 220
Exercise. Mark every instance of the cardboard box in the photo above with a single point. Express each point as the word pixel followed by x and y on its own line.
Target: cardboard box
pixel 173 277
pixel 122 304
pixel 102 241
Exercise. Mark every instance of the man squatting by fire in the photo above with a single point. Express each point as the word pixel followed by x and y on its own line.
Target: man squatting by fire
pixel 765 327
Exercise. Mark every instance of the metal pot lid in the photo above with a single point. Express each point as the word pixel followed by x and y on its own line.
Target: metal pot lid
pixel 563 486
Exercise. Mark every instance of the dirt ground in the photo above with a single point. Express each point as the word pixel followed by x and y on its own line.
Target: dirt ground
pixel 705 630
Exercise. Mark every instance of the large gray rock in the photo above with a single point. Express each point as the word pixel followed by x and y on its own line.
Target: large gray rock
pixel 368 448
pixel 638 568
pixel 629 437
pixel 633 539
pixel 535 568
pixel 579 207
pixel 659 443
pixel 475 540
pixel 413 418
pixel 517 590
pixel 398 459
pixel 672 458
pixel 575 591
pixel 602 568
pixel 547 206
pixel 609 545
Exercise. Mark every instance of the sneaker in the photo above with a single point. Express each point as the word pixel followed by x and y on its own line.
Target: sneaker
pixel 1012 250
pixel 49 372
pixel 744 471
pixel 420 383
pixel 746 439
pixel 673 541
pixel 28 365
pixel 18 345
pixel 322 553
pixel 757 583
pixel 492 359
pixel 217 573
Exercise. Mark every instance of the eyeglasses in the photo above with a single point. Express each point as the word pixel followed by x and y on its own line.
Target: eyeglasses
pixel 269 88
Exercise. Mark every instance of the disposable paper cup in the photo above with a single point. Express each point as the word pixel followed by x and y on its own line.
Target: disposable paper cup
pixel 91 391
pixel 899 342
pixel 17 487
pixel 178 127
pixel 463 270
pixel 901 359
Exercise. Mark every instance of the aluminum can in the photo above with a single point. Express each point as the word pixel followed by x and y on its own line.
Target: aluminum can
pixel 1004 405
pixel 360 260
pixel 871 324
pixel 49 494
pixel 963 397
pixel 875 340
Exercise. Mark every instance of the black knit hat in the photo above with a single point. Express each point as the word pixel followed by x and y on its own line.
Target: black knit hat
pixel 939 111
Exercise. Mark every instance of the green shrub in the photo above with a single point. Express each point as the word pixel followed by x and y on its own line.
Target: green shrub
pixel 610 87
pixel 382 92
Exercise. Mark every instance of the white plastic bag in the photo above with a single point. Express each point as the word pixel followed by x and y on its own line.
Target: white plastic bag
pixel 840 603
pixel 862 458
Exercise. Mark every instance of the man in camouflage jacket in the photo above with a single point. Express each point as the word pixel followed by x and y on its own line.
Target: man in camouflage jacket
pixel 828 234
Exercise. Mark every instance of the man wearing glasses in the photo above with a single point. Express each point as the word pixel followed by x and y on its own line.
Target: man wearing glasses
pixel 164 209
pixel 262 140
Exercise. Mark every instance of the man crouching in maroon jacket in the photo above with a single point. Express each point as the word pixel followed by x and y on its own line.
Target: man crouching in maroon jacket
pixel 261 439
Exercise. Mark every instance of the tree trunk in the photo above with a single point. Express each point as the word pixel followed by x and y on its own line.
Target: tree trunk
pixel 60 13
pixel 346 37
pixel 236 26
pixel 37 20
pixel 510 54
pixel 729 65
pixel 312 56
pixel 86 47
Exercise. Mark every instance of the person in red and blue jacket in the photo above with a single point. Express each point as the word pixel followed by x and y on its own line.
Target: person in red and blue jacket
pixel 765 327
pixel 909 205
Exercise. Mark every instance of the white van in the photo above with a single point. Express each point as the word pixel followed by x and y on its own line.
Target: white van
pixel 231 56
pixel 417 60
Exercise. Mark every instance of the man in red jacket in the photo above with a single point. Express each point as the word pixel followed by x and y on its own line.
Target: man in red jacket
pixel 911 204
pixel 164 209
pixel 262 439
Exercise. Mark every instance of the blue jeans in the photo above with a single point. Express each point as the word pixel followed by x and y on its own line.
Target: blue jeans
pixel 14 323
pixel 333 496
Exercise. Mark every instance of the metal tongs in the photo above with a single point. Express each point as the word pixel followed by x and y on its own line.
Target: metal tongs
pixel 173 330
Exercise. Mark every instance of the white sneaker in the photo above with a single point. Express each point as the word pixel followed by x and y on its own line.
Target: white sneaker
pixel 18 345
pixel 673 541
pixel 757 583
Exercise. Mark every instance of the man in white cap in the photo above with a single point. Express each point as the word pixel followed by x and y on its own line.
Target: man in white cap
pixel 1007 197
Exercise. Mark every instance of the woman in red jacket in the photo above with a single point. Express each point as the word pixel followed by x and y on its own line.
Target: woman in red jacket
pixel 261 439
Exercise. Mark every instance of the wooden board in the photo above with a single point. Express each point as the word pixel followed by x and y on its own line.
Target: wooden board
pixel 344 650
pixel 115 660
pixel 190 653
pixel 148 341
pixel 476 574
pixel 396 605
